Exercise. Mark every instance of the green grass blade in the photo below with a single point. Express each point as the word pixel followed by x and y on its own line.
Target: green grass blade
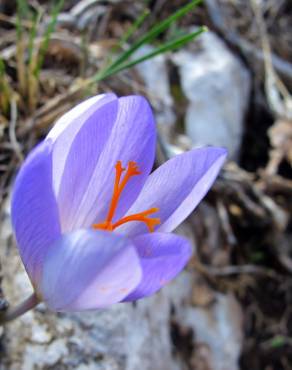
pixel 134 27
pixel 22 12
pixel 5 90
pixel 22 7
pixel 168 46
pixel 154 32
pixel 2 67
pixel 50 29
pixel 32 36
pixel 18 26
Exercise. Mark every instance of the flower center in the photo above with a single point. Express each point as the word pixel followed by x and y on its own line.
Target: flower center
pixel 120 183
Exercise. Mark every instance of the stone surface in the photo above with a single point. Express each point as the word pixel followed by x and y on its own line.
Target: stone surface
pixel 154 73
pixel 217 86
pixel 218 326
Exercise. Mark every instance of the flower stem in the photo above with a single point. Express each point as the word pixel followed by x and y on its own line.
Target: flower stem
pixel 13 313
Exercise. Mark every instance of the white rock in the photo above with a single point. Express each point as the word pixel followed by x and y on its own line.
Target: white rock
pixel 154 73
pixel 219 327
pixel 40 334
pixel 43 356
pixel 217 85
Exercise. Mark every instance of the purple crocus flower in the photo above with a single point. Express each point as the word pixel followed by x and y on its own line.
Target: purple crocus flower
pixel 92 224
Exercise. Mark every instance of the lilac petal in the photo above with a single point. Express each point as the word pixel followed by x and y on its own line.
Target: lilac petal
pixel 132 139
pixel 89 269
pixel 66 128
pixel 34 210
pixel 162 257
pixel 82 159
pixel 176 188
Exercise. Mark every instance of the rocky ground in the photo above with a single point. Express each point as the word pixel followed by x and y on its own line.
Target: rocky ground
pixel 231 308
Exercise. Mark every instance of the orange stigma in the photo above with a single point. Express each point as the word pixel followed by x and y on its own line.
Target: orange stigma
pixel 119 185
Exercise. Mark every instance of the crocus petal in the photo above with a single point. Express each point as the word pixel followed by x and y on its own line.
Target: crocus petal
pixel 67 127
pixel 177 187
pixel 89 269
pixel 162 257
pixel 82 159
pixel 34 210
pixel 132 139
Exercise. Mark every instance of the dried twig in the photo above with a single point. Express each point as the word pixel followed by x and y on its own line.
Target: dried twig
pixel 224 217
pixel 282 67
pixel 12 127
pixel 211 271
pixel 277 94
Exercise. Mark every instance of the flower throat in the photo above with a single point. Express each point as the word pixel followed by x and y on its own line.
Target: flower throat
pixel 119 185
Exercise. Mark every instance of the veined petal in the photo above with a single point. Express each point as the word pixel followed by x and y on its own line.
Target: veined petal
pixel 34 210
pixel 162 257
pixel 67 127
pixel 176 188
pixel 88 269
pixel 82 159
pixel 132 139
